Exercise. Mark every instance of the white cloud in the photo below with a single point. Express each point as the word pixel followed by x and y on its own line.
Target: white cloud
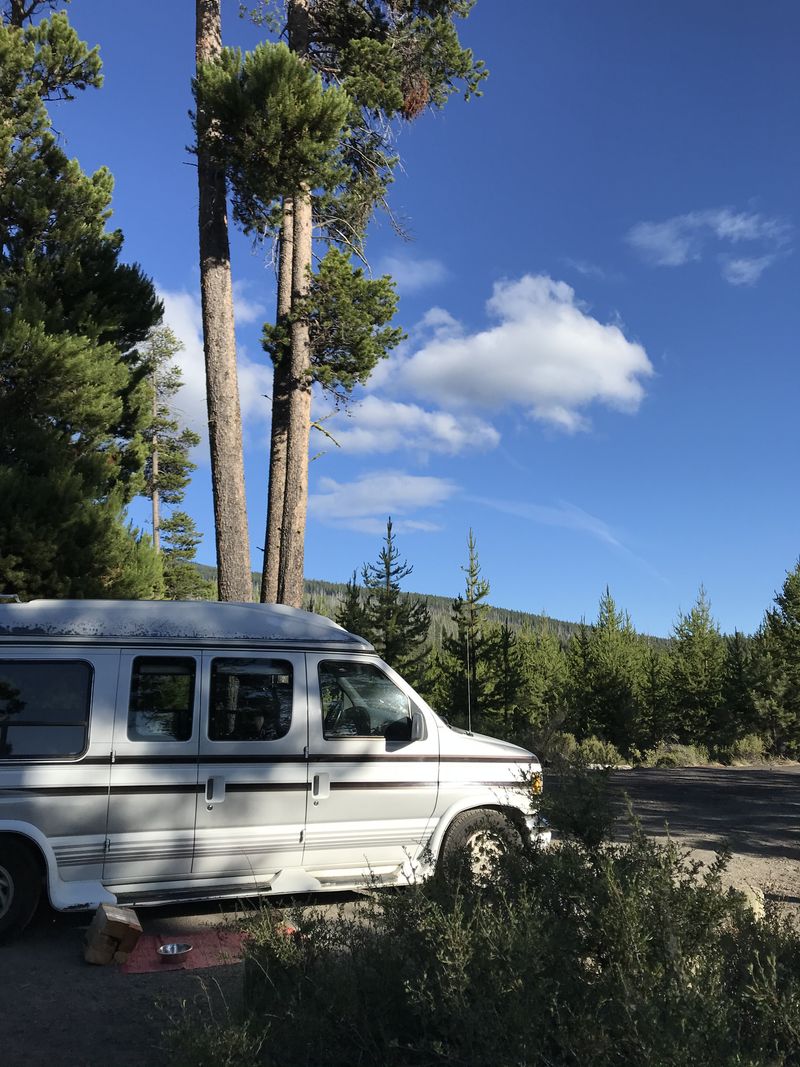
pixel 412 274
pixel 377 425
pixel 546 355
pixel 366 503
pixel 682 238
pixel 183 315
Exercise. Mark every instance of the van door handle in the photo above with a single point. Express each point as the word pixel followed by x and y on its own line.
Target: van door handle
pixel 215 790
pixel 321 786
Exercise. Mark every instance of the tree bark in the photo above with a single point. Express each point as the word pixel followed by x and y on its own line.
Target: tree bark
pixel 290 578
pixel 156 496
pixel 219 342
pixel 295 506
pixel 273 539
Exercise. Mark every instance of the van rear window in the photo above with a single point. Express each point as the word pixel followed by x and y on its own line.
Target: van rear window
pixel 44 708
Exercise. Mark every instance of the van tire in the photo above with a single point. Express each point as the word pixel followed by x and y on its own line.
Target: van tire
pixel 476 838
pixel 20 886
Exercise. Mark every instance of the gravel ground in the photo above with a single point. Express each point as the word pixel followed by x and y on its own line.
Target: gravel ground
pixel 58 1011
pixel 755 811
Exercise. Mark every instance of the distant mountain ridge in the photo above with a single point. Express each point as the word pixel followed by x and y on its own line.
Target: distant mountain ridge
pixel 324 598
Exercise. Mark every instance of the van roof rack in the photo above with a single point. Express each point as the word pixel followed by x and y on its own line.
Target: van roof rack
pixel 9 598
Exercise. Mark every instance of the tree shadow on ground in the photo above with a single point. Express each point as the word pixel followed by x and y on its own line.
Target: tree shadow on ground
pixel 756 811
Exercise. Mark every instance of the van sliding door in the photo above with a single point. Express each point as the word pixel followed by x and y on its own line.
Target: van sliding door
pixel 151 807
pixel 251 800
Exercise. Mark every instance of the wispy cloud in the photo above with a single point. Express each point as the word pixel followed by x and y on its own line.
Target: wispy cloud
pixel 412 274
pixel 740 270
pixel 363 505
pixel 563 514
pixel 590 270
pixel 568 517
pixel 685 238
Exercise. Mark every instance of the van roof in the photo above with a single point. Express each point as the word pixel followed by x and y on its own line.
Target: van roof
pixel 176 621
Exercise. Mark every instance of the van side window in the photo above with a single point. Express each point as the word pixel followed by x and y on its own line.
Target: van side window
pixel 358 700
pixel 251 699
pixel 44 708
pixel 162 698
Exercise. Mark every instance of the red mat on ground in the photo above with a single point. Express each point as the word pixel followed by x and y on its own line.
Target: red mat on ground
pixel 210 948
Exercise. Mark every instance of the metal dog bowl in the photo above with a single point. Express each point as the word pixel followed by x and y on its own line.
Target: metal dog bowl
pixel 175 950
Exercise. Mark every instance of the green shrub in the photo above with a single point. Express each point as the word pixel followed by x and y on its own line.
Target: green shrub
pixel 596 752
pixel 608 955
pixel 671 754
pixel 558 748
pixel 748 749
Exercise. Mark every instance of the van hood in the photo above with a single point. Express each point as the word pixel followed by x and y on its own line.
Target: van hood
pixel 478 745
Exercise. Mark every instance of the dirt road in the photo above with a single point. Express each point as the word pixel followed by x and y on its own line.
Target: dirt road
pixel 58 1011
pixel 756 811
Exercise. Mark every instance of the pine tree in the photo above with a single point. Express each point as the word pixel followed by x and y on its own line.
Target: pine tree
pixel 777 695
pixel 543 698
pixel 653 699
pixel 505 666
pixel 182 580
pixel 697 664
pixel 579 681
pixel 614 665
pixel 468 651
pixel 399 622
pixel 351 612
pixel 396 624
pixel 736 715
pixel 73 401
pixel 168 466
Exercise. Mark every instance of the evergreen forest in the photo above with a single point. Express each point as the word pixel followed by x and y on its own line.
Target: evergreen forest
pixel 88 380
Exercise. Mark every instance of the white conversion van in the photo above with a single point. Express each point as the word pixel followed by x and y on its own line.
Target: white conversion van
pixel 162 751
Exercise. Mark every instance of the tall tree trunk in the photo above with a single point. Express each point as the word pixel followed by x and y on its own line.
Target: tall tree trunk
pixel 222 388
pixel 290 575
pixel 156 496
pixel 295 506
pixel 280 419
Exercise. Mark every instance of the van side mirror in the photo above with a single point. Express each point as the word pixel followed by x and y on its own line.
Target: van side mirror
pixel 419 731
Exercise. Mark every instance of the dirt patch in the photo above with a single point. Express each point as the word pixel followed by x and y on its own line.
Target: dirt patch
pixel 59 1010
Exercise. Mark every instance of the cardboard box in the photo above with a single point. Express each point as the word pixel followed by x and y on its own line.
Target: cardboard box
pixel 112 935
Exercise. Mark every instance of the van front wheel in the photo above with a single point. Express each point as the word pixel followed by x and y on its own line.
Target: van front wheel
pixel 478 839
pixel 20 887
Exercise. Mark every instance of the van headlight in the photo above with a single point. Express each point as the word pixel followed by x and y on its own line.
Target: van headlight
pixel 537 783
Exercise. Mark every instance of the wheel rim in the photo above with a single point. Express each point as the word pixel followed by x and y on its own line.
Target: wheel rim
pixel 6 891
pixel 484 849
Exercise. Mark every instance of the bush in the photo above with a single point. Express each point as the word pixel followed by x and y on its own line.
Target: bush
pixel 671 754
pixel 558 748
pixel 604 955
pixel 598 753
pixel 748 749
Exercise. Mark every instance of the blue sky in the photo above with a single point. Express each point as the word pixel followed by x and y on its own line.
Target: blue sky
pixel 601 375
